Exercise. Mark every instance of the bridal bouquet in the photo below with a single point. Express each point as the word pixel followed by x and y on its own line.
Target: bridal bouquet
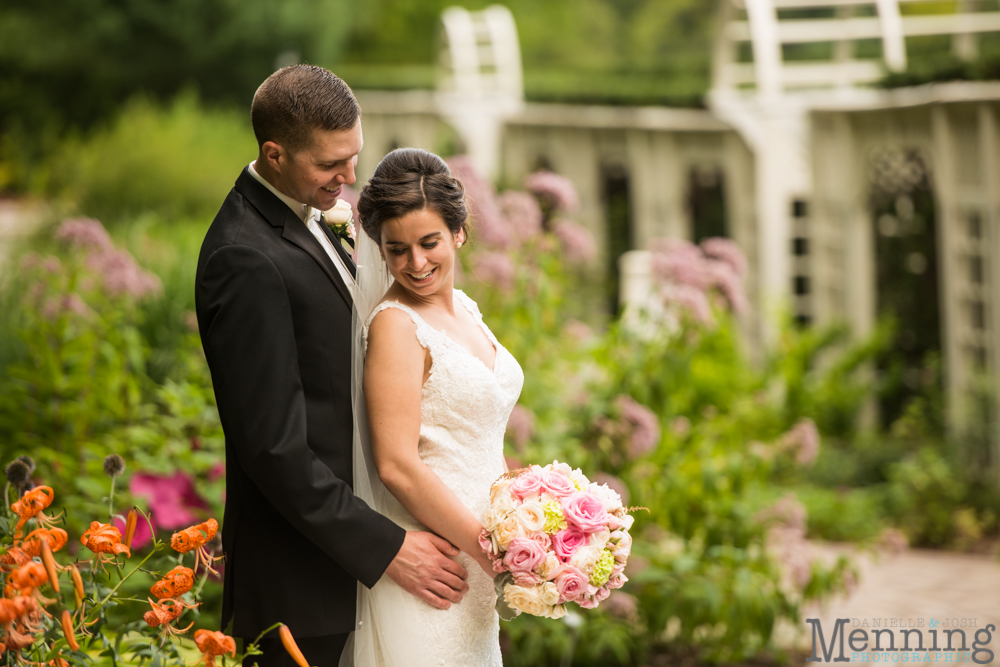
pixel 556 538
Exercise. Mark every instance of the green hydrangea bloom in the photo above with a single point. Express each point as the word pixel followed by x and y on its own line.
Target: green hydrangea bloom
pixel 602 569
pixel 554 519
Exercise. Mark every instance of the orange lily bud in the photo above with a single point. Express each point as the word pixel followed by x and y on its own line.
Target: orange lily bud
pixel 77 585
pixel 50 565
pixel 67 627
pixel 292 647
pixel 130 521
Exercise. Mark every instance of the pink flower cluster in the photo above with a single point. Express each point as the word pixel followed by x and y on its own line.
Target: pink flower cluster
pixel 504 223
pixel 786 542
pixel 687 273
pixel 557 537
pixel 118 270
pixel 555 191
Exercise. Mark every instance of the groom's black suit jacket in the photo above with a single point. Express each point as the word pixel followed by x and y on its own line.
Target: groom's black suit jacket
pixel 275 323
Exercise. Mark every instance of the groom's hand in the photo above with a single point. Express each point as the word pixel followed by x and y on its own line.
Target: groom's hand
pixel 423 568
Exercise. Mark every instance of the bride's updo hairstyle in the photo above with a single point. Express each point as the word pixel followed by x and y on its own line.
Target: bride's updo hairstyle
pixel 408 180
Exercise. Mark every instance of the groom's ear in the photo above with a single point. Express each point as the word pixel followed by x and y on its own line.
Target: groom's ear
pixel 274 154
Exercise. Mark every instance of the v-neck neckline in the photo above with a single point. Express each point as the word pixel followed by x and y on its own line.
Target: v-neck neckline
pixel 482 326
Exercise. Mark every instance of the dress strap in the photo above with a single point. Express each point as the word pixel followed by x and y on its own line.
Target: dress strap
pixel 473 309
pixel 422 326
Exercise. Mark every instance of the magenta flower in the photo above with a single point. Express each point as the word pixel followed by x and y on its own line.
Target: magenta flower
pixel 520 426
pixel 171 500
pixel 577 241
pixel 495 269
pixel 555 191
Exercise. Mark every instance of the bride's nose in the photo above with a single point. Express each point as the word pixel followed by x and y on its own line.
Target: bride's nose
pixel 417 259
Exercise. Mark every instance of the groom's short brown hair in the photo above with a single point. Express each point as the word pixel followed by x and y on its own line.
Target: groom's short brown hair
pixel 298 99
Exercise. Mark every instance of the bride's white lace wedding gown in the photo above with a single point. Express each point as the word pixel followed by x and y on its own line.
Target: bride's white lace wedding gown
pixel 463 415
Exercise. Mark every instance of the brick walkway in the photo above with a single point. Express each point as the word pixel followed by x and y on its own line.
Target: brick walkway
pixel 936 586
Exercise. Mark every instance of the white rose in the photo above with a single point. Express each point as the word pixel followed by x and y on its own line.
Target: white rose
pixel 339 214
pixel 524 599
pixel 558 611
pixel 531 515
pixel 507 530
pixel 628 521
pixel 548 593
pixel 612 501
pixel 600 538
pixel 585 558
pixel 493 518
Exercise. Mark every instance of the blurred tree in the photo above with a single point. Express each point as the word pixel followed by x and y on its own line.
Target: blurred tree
pixel 70 63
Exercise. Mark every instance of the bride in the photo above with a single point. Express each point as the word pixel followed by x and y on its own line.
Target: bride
pixel 437 388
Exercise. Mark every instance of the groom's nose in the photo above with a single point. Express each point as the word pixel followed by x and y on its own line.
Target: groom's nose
pixel 348 177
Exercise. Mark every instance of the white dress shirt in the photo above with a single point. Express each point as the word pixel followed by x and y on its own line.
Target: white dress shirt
pixel 310 216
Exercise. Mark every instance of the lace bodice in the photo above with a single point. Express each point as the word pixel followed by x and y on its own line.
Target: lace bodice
pixel 463 415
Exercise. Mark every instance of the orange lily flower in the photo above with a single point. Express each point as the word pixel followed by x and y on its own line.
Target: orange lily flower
pixel 27 577
pixel 164 613
pixel 194 538
pixel 105 541
pixel 177 582
pixel 32 544
pixel 130 523
pixel 14 608
pixel 15 556
pixel 212 644
pixel 30 505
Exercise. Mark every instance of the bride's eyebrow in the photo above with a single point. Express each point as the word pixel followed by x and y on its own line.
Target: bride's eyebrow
pixel 426 237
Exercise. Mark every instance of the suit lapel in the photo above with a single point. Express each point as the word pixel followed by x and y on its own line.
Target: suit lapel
pixel 297 233
pixel 293 230
pixel 341 250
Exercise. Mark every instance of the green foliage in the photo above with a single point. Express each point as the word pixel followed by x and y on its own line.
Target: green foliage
pixel 174 162
pixel 71 64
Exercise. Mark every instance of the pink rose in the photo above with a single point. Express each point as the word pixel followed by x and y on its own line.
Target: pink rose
pixel 526 484
pixel 585 511
pixel 571 584
pixel 523 555
pixel 602 594
pixel 566 542
pixel 587 603
pixel 527 579
pixel 542 538
pixel 485 543
pixel 616 580
pixel 557 484
pixel 614 523
pixel 498 566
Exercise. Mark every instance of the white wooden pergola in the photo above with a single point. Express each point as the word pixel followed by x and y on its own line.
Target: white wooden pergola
pixel 812 126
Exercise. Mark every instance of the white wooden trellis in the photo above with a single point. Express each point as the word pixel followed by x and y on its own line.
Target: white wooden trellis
pixel 480 80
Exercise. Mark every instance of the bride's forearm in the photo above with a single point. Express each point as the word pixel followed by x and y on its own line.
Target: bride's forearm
pixel 433 504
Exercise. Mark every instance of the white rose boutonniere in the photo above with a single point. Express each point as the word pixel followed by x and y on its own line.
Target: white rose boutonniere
pixel 341 219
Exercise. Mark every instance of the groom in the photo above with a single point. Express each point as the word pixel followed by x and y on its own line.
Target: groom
pixel 273 293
